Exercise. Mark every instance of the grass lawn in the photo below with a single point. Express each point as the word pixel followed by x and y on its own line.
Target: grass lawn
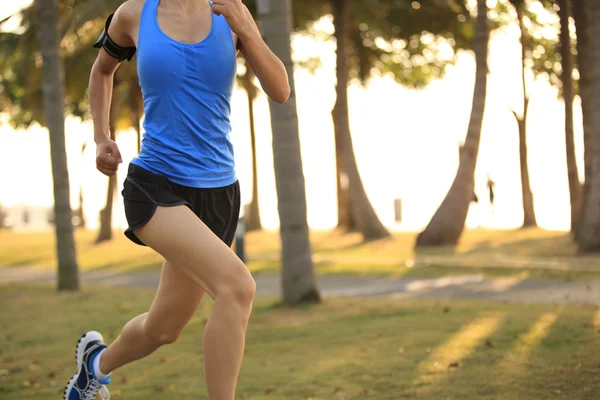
pixel 524 253
pixel 343 349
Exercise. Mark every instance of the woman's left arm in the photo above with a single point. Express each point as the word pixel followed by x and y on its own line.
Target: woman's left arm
pixel 266 65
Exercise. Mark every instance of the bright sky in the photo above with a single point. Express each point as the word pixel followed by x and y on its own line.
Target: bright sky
pixel 405 143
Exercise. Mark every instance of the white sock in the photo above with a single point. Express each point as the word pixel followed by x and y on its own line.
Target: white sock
pixel 99 375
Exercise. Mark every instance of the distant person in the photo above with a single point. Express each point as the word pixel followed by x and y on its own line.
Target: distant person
pixel 491 186
pixel 181 194
pixel 26 217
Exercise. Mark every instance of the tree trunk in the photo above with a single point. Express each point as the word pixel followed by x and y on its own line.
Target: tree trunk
pixel 254 223
pixel 567 80
pixel 80 213
pixel 345 221
pixel 298 276
pixel 361 211
pixel 584 66
pixel 136 103
pixel 529 219
pixel 589 239
pixel 138 133
pixel 105 232
pixel 47 12
pixel 447 224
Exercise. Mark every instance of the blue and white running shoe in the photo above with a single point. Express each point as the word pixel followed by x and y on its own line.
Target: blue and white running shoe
pixel 84 385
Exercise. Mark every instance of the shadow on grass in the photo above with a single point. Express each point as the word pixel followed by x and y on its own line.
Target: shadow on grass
pixel 561 245
pixel 365 361
pixel 564 351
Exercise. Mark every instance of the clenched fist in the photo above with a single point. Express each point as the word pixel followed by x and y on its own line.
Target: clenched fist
pixel 235 13
pixel 108 157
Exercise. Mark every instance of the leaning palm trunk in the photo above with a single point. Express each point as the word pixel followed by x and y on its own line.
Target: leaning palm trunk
pixel 352 198
pixel 567 81
pixel 47 12
pixel 589 239
pixel 447 224
pixel 298 277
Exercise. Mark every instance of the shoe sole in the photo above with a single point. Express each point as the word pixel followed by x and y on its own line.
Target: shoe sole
pixel 79 350
pixel 83 341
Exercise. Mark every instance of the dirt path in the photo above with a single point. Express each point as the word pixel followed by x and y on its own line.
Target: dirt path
pixel 457 287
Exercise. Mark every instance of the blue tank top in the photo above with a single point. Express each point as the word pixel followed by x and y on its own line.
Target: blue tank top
pixel 187 92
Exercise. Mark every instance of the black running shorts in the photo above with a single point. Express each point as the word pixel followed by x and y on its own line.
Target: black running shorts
pixel 143 191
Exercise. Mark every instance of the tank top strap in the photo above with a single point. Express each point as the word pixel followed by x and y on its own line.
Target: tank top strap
pixel 147 28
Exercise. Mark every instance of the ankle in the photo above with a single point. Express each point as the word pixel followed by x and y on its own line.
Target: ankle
pixel 99 367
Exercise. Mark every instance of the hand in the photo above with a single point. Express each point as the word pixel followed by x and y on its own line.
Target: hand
pixel 234 12
pixel 108 157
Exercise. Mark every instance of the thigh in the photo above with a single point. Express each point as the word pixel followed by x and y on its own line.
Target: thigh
pixel 189 245
pixel 176 300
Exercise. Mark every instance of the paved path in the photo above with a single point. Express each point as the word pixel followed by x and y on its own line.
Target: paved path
pixel 457 287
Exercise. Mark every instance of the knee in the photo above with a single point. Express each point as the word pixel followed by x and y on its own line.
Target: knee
pixel 241 292
pixel 160 337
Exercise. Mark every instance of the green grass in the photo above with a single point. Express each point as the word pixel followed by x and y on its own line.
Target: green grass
pixel 521 253
pixel 343 349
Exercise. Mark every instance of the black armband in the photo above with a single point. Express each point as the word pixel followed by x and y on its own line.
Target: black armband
pixel 114 50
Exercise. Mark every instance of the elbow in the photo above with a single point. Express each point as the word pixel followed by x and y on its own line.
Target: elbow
pixel 282 94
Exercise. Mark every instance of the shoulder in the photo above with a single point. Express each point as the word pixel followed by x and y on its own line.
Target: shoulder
pixel 125 21
pixel 128 13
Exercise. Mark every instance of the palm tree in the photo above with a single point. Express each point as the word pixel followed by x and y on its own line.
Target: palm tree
pixel 247 82
pixel 298 276
pixel 529 219
pixel 47 32
pixel 354 208
pixel 80 214
pixel 584 66
pixel 24 89
pixel 567 85
pixel 105 231
pixel 589 239
pixel 448 222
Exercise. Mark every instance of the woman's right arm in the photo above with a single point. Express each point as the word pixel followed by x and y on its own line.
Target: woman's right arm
pixel 108 156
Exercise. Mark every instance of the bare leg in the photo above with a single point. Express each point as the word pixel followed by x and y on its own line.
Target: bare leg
pixel 176 300
pixel 205 261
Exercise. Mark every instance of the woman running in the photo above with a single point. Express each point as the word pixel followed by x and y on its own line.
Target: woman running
pixel 181 194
